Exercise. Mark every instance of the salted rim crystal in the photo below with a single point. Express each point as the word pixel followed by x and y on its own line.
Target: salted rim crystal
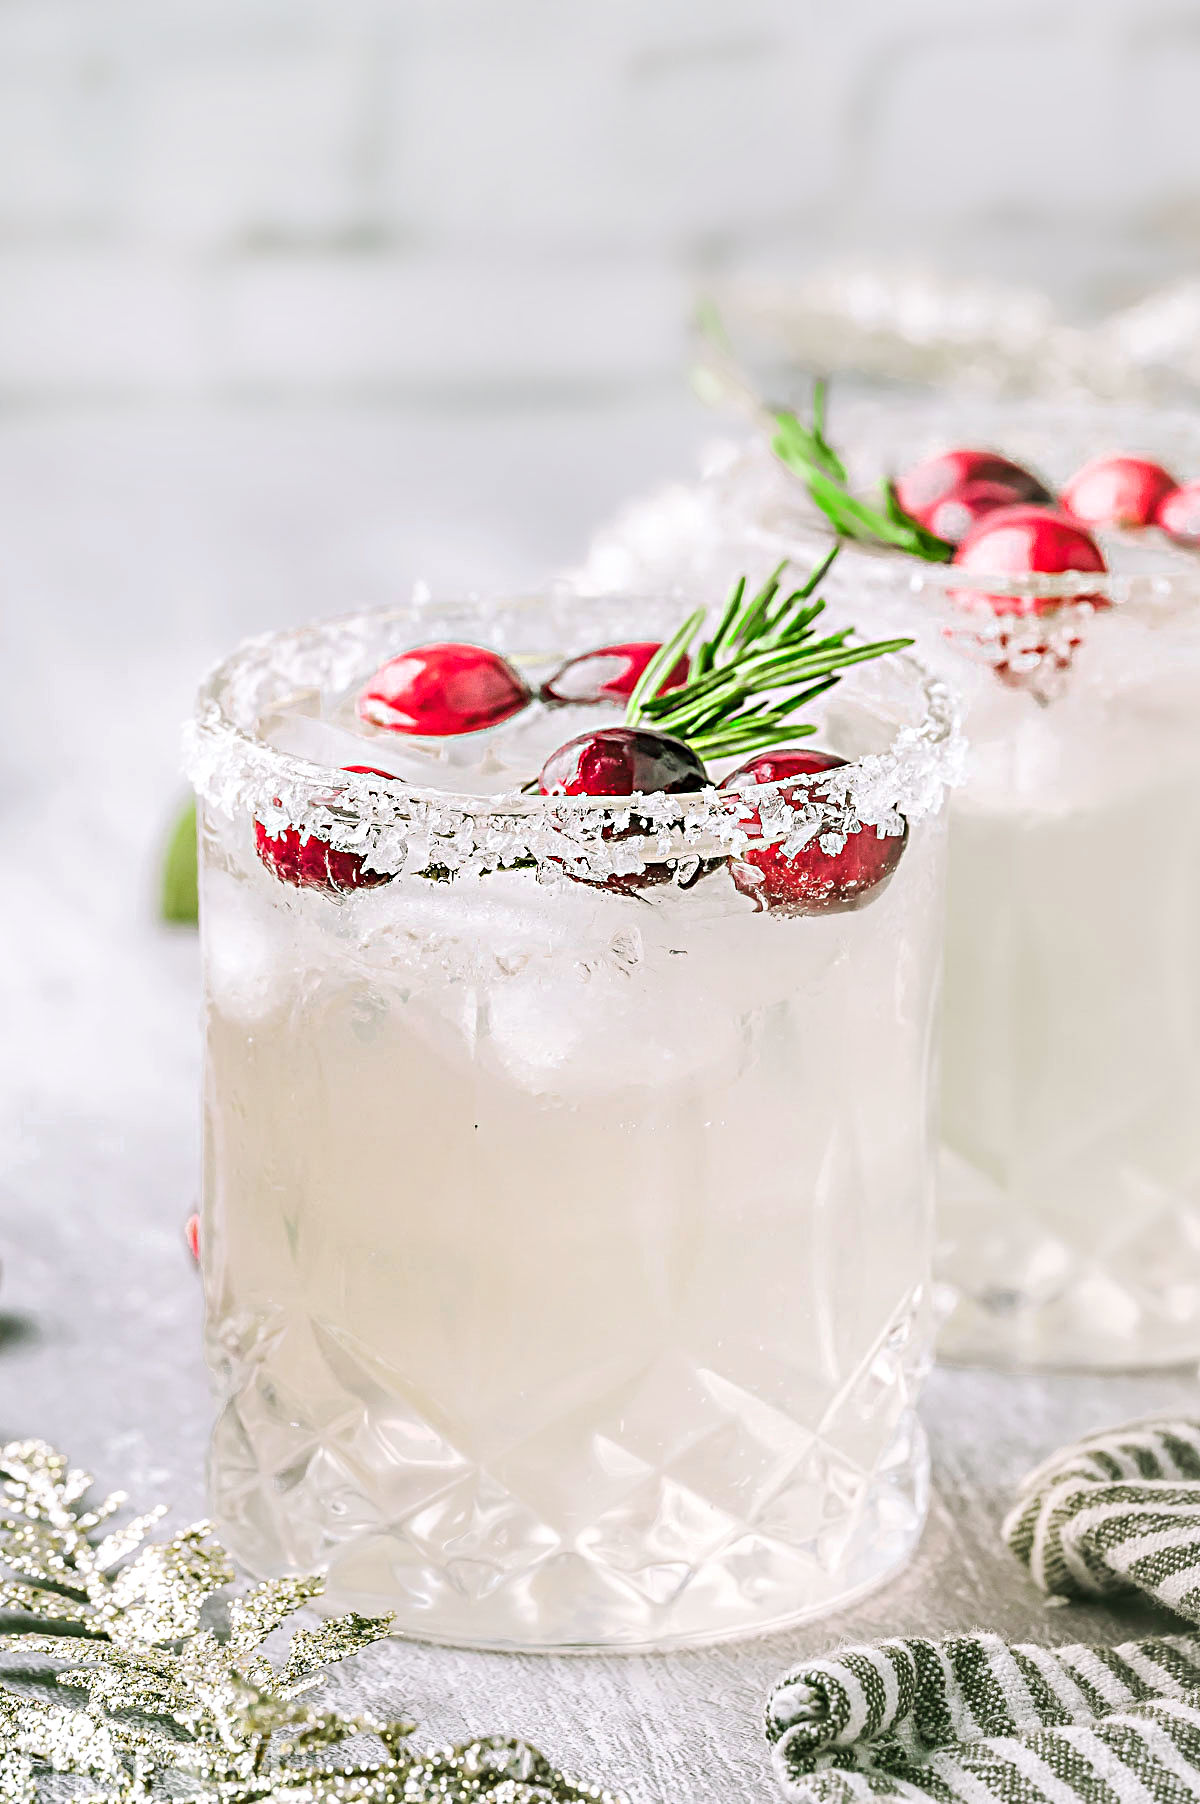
pixel 396 826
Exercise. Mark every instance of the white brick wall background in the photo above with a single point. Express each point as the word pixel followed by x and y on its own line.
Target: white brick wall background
pixel 451 199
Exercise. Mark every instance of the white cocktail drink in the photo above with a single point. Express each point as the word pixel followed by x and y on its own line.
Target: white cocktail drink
pixel 565 1250
pixel 1070 1186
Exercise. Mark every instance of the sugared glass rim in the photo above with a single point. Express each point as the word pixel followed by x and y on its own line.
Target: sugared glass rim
pixel 395 826
pixel 1032 636
pixel 883 566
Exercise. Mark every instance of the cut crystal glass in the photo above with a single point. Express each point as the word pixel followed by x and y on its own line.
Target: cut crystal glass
pixel 566 1250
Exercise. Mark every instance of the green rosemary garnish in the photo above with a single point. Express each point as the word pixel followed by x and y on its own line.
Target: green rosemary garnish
pixel 807 452
pixel 762 664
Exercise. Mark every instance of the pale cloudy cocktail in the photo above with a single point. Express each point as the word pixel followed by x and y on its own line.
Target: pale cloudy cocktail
pixel 567 1222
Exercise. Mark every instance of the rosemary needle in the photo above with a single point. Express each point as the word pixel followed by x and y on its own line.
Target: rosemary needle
pixel 762 662
pixel 806 451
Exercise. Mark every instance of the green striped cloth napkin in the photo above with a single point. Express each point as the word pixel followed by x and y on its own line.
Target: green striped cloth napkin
pixel 974 1719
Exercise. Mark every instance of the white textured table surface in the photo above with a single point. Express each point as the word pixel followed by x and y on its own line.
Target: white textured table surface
pixel 134 549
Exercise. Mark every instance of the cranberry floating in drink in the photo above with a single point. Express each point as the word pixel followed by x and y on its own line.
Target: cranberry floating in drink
pixel 953 515
pixel 949 492
pixel 1117 491
pixel 1179 513
pixel 441 690
pixel 610 673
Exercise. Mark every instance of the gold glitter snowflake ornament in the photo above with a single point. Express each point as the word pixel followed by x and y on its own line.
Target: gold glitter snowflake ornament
pixel 176 1710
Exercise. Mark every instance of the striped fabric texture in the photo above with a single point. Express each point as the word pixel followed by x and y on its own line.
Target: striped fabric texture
pixel 977 1719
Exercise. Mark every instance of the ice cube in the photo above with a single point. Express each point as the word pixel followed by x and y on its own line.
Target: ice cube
pixel 497 760
pixel 301 733
pixel 604 1017
pixel 250 959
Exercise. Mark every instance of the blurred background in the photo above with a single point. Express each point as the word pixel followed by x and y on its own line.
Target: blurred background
pixel 448 203
pixel 303 301
pixel 300 302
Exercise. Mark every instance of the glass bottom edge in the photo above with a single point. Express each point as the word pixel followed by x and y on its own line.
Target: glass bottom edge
pixel 667 1644
pixel 544 1607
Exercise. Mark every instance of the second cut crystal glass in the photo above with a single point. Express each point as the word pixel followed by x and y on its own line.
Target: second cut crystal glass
pixel 1070 1181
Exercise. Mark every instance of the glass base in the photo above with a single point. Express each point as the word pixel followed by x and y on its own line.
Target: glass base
pixel 666 1565
pixel 1051 1338
pixel 1051 1285
pixel 332 1604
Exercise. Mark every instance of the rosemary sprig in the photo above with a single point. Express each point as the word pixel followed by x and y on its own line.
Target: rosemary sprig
pixel 762 663
pixel 807 452
pixel 805 446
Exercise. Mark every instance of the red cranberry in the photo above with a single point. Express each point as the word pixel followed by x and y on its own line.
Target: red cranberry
pixel 1179 513
pixel 953 516
pixel 617 761
pixel 1117 491
pixel 609 674
pixel 810 881
pixel 937 478
pixel 312 863
pixel 438 690
pixel 191 1233
pixel 1023 540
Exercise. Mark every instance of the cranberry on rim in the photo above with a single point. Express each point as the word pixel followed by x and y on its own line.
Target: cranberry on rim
pixel 1117 491
pixel 1030 540
pixel 610 673
pixel 617 761
pixel 313 863
pixel 810 881
pixel 622 761
pixel 440 690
